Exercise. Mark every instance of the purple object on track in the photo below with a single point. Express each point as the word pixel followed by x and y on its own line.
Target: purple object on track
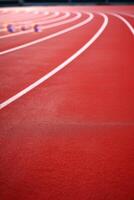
pixel 37 28
pixel 11 28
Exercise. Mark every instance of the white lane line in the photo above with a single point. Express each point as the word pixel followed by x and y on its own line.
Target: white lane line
pixel 125 22
pixel 24 32
pixel 41 22
pixel 46 21
pixel 47 37
pixel 55 14
pixel 127 14
pixel 28 31
pixel 61 66
pixel 78 15
pixel 30 18
pixel 47 15
pixel 18 23
pixel 66 15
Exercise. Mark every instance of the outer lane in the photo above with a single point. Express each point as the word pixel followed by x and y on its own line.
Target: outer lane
pixel 41 63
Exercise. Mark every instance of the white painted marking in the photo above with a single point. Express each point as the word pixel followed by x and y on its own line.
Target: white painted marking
pixel 46 37
pixel 61 66
pixel 18 22
pixel 127 14
pixel 78 15
pixel 42 22
pixel 46 20
pixel 125 21
pixel 66 15
pixel 55 14
pixel 31 21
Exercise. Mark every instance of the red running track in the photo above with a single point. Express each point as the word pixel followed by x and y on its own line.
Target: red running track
pixel 72 136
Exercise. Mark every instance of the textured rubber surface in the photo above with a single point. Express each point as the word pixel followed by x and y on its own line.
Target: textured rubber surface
pixel 71 137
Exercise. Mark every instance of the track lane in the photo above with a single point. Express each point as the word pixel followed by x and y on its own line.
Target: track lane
pixel 78 147
pixel 36 69
pixel 129 18
pixel 23 15
pixel 25 40
pixel 124 20
pixel 46 20
pixel 126 14
pixel 27 18
pixel 5 34
pixel 64 16
pixel 61 66
pixel 24 18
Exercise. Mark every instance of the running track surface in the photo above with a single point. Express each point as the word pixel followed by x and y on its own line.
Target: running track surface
pixel 67 104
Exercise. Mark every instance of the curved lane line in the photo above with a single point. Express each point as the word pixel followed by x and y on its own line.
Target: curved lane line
pixel 50 15
pixel 46 16
pixel 40 16
pixel 37 18
pixel 47 21
pixel 125 22
pixel 66 15
pixel 126 14
pixel 46 37
pixel 78 15
pixel 22 32
pixel 61 66
pixel 30 31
